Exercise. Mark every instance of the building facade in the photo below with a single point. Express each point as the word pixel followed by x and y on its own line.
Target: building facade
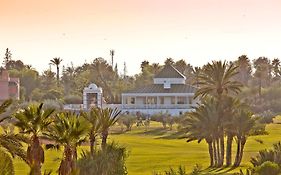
pixel 9 87
pixel 168 94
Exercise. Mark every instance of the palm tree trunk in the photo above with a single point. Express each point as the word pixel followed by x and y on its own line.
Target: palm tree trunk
pixel 221 150
pixel 215 153
pixel 104 138
pixel 35 156
pixel 229 150
pixel 218 151
pixel 237 152
pixel 211 151
pixel 260 88
pixel 92 144
pixel 243 142
pixel 58 75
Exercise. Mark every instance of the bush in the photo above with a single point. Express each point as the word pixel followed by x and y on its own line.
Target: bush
pixel 172 171
pixel 53 104
pixel 268 168
pixel 110 161
pixel 72 99
pixel 128 121
pixel 272 155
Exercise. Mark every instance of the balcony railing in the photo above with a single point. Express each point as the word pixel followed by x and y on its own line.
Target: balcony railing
pixel 157 106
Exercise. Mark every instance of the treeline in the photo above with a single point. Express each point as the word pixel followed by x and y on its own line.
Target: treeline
pixel 261 79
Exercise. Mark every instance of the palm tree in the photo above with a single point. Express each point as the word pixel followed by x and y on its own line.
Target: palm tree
pixel 244 122
pixel 230 108
pixel 93 118
pixel 69 131
pixel 56 61
pixel 107 117
pixel 112 53
pixel 32 121
pixel 202 124
pixel 216 79
pixel 244 69
pixel 10 143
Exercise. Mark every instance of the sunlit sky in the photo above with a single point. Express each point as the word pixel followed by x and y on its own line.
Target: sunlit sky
pixel 194 30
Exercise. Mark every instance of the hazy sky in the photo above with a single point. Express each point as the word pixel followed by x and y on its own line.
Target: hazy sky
pixel 195 30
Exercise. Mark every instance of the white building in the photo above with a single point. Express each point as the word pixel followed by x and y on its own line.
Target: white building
pixel 168 94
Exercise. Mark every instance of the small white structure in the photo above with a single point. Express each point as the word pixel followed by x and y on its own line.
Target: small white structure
pixel 168 94
pixel 92 96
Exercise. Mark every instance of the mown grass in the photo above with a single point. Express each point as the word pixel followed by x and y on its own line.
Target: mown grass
pixel 157 149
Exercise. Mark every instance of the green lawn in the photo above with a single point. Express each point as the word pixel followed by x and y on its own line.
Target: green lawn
pixel 157 150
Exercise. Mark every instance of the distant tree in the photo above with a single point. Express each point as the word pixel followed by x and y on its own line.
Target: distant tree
pixel 107 117
pixel 48 80
pixel 125 70
pixel 56 61
pixel 93 118
pixel 276 68
pixel 262 72
pixel 169 61
pixel 195 76
pixel 144 64
pixel 244 69
pixel 112 53
pixel 180 65
pixel 8 57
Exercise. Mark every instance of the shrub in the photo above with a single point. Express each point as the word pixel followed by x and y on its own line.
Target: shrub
pixel 268 168
pixel 172 171
pixel 128 121
pixel 110 161
pixel 72 99
pixel 53 104
pixel 272 155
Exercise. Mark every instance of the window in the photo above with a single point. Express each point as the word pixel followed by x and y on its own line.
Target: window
pixel 190 99
pixel 173 100
pixel 132 100
pixel 161 100
pixel 182 100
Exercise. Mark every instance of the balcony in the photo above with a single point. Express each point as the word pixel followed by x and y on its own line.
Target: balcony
pixel 157 106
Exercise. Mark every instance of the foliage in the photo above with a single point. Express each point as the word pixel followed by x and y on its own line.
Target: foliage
pixel 6 164
pixel 72 99
pixel 110 161
pixel 272 155
pixel 172 171
pixel 69 131
pixel 32 121
pixel 268 168
pixel 128 121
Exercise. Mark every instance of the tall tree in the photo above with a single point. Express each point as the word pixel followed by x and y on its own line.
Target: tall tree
pixel 33 121
pixel 276 68
pixel 262 72
pixel 244 69
pixel 216 79
pixel 56 61
pixel 112 53
pixel 7 57
pixel 202 124
pixel 68 130
pixel 244 122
